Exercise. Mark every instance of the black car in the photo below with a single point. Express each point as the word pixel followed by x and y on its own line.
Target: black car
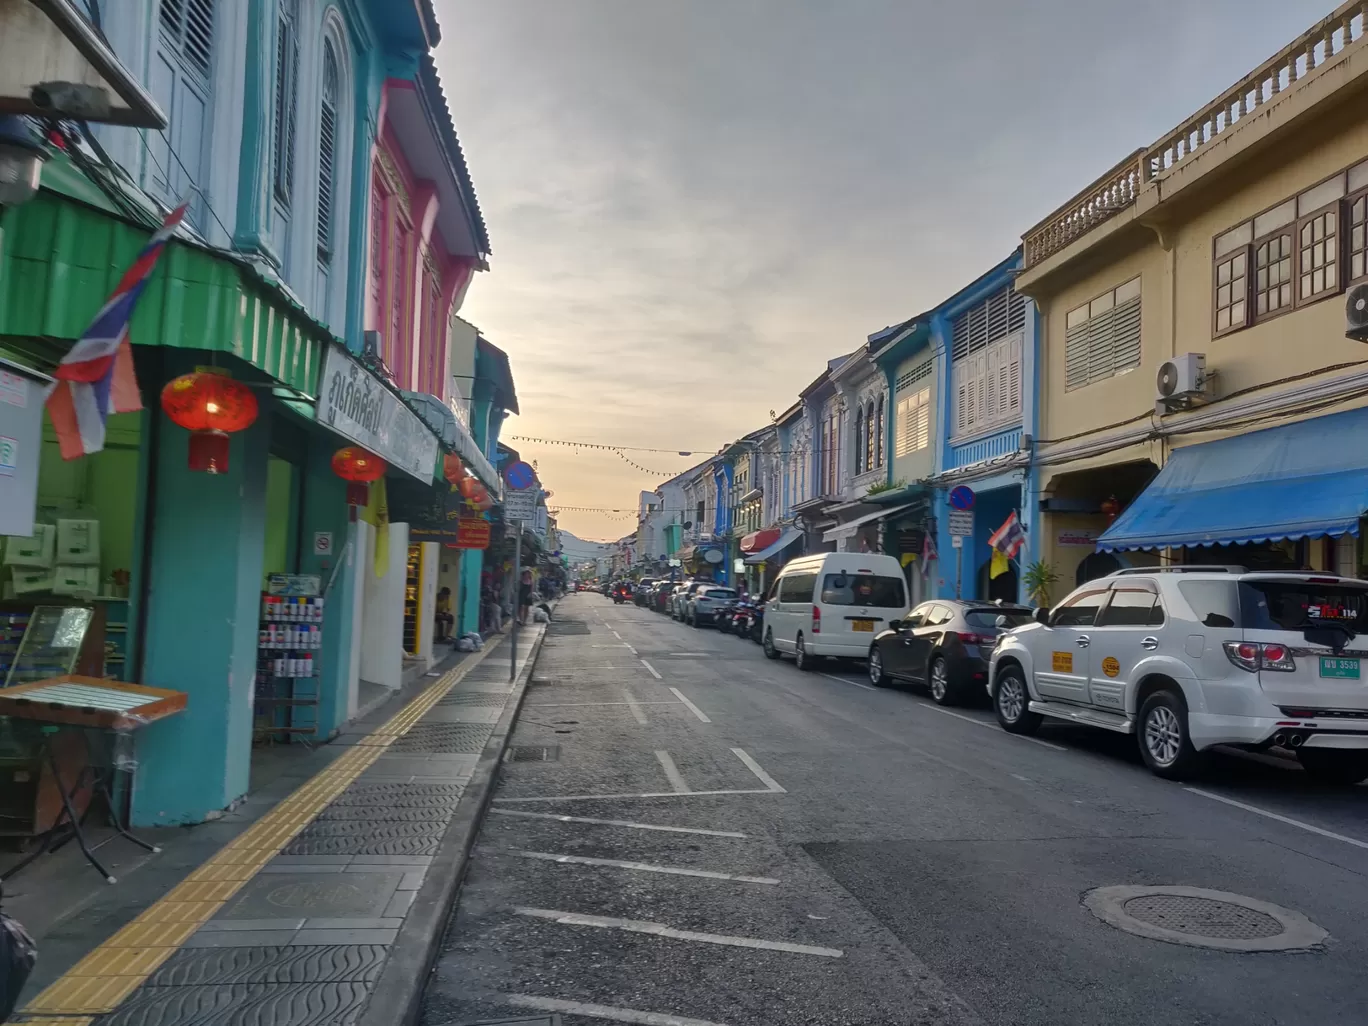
pixel 944 645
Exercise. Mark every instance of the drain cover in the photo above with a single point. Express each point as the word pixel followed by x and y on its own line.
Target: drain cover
pixel 1204 918
pixel 534 753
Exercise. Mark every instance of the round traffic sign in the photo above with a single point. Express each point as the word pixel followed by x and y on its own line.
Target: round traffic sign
pixel 520 475
pixel 961 497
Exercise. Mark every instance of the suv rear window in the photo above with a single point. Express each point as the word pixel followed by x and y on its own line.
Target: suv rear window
pixel 1294 605
pixel 717 593
pixel 989 617
pixel 862 590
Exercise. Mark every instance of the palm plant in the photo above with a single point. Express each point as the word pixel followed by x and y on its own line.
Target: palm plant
pixel 1039 578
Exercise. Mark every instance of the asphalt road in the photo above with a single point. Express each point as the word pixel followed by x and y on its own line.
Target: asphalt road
pixel 841 855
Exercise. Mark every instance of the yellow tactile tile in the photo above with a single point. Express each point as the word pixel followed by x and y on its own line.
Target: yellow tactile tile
pixel 101 980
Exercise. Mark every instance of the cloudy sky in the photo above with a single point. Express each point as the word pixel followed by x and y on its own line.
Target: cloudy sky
pixel 694 203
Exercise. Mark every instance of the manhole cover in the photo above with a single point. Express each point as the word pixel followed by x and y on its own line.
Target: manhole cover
pixel 1204 918
pixel 534 753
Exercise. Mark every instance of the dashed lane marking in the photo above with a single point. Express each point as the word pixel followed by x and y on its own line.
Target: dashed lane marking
pixel 642 867
pixel 692 708
pixel 1309 828
pixel 672 773
pixel 608 1012
pixel 847 680
pixel 624 823
pixel 992 726
pixel 635 706
pixel 654 672
pixel 759 771
pixel 661 930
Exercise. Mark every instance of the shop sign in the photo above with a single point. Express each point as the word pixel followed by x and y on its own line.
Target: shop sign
pixel 472 533
pixel 520 503
pixel 323 543
pixel 357 405
pixel 296 585
pixel 1084 538
pixel 961 523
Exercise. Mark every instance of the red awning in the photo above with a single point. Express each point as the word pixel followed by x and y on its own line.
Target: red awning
pixel 758 540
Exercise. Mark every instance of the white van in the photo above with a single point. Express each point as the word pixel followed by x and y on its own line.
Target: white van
pixel 833 604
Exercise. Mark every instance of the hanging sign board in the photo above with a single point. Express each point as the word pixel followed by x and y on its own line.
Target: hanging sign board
pixel 520 504
pixel 472 533
pixel 358 406
pixel 961 523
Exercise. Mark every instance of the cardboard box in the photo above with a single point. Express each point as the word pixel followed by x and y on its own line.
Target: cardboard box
pixel 78 543
pixel 35 551
pixel 29 582
pixel 76 580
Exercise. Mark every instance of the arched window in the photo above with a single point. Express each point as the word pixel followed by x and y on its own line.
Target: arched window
pixel 879 433
pixel 870 454
pixel 859 442
pixel 286 94
pixel 327 151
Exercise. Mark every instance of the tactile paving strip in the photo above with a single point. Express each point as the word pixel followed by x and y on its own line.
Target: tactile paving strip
pixel 444 739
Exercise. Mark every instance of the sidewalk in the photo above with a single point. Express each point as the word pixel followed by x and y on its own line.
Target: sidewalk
pixel 333 900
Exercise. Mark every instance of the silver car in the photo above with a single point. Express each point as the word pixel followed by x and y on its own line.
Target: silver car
pixel 705 603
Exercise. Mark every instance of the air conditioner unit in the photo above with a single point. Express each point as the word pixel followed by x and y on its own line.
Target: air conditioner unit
pixel 1181 380
pixel 1356 314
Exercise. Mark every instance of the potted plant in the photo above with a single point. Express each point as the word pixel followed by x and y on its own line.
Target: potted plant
pixel 1039 578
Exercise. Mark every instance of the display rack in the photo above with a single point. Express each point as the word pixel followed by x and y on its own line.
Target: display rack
pixel 290 641
pixel 413 590
pixel 12 628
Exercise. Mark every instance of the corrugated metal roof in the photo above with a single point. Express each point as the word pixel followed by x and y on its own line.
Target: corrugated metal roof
pixel 430 87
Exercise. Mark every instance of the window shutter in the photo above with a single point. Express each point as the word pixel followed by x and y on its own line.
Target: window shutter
pixel 1126 335
pixel 1102 345
pixel 286 92
pixel 1014 377
pixel 199 33
pixel 991 408
pixel 327 152
pixel 1076 356
pixel 961 397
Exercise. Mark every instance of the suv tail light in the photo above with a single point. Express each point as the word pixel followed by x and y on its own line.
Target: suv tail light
pixel 976 639
pixel 1255 656
pixel 816 620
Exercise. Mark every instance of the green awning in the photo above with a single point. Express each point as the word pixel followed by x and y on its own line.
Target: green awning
pixel 65 250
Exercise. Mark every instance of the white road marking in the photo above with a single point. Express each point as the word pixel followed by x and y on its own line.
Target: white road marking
pixel 608 1012
pixel 692 708
pixel 759 771
pixel 654 672
pixel 643 867
pixel 672 773
pixel 630 649
pixel 1281 819
pixel 623 645
pixel 991 726
pixel 645 794
pixel 615 634
pixel 627 823
pixel 691 655
pixel 637 713
pixel 661 930
pixel 847 680
pixel 1024 780
pixel 579 705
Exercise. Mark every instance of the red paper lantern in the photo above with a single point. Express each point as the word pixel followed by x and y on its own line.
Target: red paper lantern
pixel 210 406
pixel 452 468
pixel 358 468
pixel 470 488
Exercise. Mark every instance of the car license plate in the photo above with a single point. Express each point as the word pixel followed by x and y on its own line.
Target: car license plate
pixel 862 625
pixel 1344 669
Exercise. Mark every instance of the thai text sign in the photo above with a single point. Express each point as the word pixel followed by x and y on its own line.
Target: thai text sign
pixel 357 405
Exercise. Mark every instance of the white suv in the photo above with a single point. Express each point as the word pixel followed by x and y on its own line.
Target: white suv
pixel 1190 657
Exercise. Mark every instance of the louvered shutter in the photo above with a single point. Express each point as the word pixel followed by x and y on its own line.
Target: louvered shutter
pixel 991 408
pixel 327 152
pixel 1076 356
pixel 1013 377
pixel 1126 335
pixel 961 397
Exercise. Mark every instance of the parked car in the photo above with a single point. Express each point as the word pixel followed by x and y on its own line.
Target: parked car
pixel 681 596
pixel 1186 658
pixel 833 604
pixel 660 595
pixel 642 590
pixel 944 645
pixel 707 603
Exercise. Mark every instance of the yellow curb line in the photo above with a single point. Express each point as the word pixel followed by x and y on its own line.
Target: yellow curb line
pixel 102 979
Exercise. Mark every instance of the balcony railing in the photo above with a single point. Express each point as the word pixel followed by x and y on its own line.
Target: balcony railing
pixel 1342 30
pixel 1117 189
pixel 1111 193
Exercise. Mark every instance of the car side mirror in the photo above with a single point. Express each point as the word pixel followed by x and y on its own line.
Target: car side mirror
pixel 1041 615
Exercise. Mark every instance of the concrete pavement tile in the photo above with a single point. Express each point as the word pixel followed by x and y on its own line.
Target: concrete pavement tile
pixel 345 937
pixel 235 939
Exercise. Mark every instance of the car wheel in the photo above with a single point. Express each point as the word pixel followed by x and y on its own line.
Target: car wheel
pixel 768 645
pixel 801 659
pixel 938 676
pixel 877 677
pixel 1163 737
pixel 1330 767
pixel 1011 703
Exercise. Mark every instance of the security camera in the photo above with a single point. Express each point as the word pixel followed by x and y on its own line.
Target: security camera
pixel 71 100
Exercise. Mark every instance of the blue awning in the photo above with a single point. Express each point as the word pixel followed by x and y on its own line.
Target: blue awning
pixel 786 539
pixel 1301 480
pixel 455 437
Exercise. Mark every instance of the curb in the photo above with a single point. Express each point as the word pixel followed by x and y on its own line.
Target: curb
pixel 397 998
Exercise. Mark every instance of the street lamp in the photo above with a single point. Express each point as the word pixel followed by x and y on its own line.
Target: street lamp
pixel 21 161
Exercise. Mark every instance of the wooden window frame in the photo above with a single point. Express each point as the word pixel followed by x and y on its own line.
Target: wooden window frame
pixel 1337 208
pixel 1291 230
pixel 1247 251
pixel 1346 238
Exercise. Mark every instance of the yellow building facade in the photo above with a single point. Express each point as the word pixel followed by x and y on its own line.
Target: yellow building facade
pixel 1218 259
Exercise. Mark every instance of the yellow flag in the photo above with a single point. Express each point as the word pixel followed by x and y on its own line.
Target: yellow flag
pixel 376 513
pixel 999 565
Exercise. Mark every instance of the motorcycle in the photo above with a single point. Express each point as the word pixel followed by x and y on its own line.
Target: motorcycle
pixel 726 617
pixel 757 623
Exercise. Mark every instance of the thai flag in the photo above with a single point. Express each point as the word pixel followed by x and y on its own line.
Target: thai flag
pixel 96 377
pixel 1009 538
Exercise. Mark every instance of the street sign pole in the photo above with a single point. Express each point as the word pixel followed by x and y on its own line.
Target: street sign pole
pixel 517 588
pixel 959 570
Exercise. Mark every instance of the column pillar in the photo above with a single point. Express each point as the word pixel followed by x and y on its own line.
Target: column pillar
pixel 202 609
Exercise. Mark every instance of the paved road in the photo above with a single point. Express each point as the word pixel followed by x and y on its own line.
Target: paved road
pixel 714 838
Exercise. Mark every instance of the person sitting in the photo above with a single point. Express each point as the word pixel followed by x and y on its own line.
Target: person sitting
pixel 445 621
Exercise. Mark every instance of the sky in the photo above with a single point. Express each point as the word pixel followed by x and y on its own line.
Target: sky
pixel 693 204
